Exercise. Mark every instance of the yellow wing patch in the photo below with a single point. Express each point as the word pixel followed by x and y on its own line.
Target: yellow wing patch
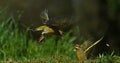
pixel 45 29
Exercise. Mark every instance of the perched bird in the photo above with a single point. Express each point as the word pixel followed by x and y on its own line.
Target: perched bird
pixel 81 50
pixel 51 26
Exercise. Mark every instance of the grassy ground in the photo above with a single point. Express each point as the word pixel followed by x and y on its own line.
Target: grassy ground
pixel 15 47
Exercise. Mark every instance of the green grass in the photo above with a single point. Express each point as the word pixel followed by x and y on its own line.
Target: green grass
pixel 108 59
pixel 17 47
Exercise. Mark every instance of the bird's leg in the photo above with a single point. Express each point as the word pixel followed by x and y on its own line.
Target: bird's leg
pixel 41 38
